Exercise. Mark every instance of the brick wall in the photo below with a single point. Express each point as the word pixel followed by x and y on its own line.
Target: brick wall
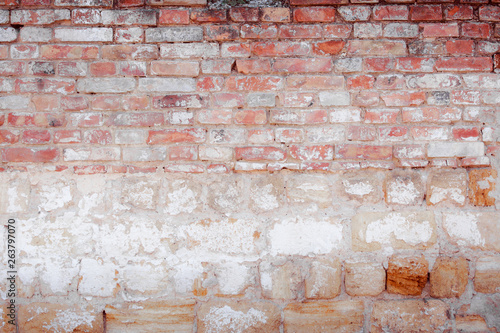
pixel 325 167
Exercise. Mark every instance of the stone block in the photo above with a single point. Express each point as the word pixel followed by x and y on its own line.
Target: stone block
pixel 360 187
pixel 280 281
pixel 150 317
pixel 481 185
pixel 309 189
pixel 372 231
pixel 487 278
pixel 407 275
pixel 324 279
pixel 410 316
pixel 140 193
pixel 404 188
pixel 476 230
pixel 55 317
pixel 317 317
pixel 225 316
pixel 266 193
pixel 364 278
pixel 447 187
pixel 449 277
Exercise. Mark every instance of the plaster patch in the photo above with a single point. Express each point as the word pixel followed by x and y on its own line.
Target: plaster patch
pixel 305 237
pixel 68 320
pixel 54 196
pixel 357 188
pixel 395 225
pixel 263 197
pixel 225 318
pixel 462 227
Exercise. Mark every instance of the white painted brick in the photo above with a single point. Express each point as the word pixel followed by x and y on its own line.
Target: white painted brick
pixel 329 98
pixel 105 85
pixel 35 34
pixel 208 153
pixel 144 154
pixel 191 50
pixel 174 34
pixel 14 102
pixel 43 16
pixel 84 34
pixel 167 84
pixel 8 34
pixel 455 149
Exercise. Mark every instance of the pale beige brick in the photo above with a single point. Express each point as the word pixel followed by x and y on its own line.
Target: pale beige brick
pixel 324 279
pixel 364 278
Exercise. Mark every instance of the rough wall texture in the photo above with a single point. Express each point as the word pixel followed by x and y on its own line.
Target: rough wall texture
pixel 329 167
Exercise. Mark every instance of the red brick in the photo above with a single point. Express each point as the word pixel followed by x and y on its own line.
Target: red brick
pixel 317 2
pixel 130 52
pixel 131 68
pixel 426 13
pixel 130 3
pixel 175 68
pixel 390 13
pixel 221 32
pixel 36 119
pixel 302 65
pixel 466 133
pixel 430 133
pixel 496 59
pixel 210 84
pixel 86 16
pixel 464 97
pixel 460 46
pixel 271 49
pixel 8 2
pixel 183 153
pixel 208 16
pixel 35 137
pixel 102 68
pixel 404 98
pixel 173 17
pixel 329 47
pixel 237 50
pixel 489 13
pixel 2 119
pixel 432 114
pixel 300 31
pixel 30 155
pixel 459 12
pixel 260 136
pixel 89 169
pixel 69 52
pixel 45 102
pixel 464 64
pixel 415 64
pixel 361 133
pixel 243 14
pixel 87 119
pixel 100 137
pixel 395 133
pixel 311 82
pixel 106 103
pixel 7 136
pixel 289 135
pixel 67 136
pixel 476 30
pixel 23 51
pixel 360 82
pixel 275 14
pixel 253 66
pixel 378 64
pixel 353 151
pixel 71 68
pixel 308 153
pixel 12 68
pixel 250 117
pixel 228 100
pixel 44 85
pixel 74 103
pixel 314 14
pixel 409 151
pixel 214 116
pixel 298 117
pixel 390 82
pixel 297 99
pixel 376 47
pixel 254 83
pixel 337 30
pixel 259 31
pixel 440 30
pixel 259 153
pixel 195 135
pixel 381 116
pixel 366 98
pixel 136 119
pixel 184 101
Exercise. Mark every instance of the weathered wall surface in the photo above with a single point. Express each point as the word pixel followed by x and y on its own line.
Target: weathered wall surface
pixel 325 167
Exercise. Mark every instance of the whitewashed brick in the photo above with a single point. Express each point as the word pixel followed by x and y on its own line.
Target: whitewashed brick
pixel 174 34
pixel 84 34
pixel 455 149
pixel 329 98
pixel 106 85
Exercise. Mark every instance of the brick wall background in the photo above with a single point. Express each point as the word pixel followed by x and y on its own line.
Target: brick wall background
pixel 325 167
